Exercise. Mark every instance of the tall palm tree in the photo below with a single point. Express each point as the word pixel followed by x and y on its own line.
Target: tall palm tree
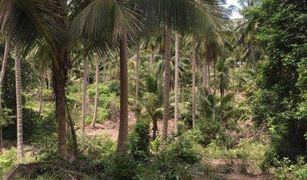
pixel 84 93
pixel 61 23
pixel 96 92
pixel 137 76
pixel 223 78
pixel 123 123
pixel 194 81
pixel 166 88
pixel 2 74
pixel 176 81
pixel 20 153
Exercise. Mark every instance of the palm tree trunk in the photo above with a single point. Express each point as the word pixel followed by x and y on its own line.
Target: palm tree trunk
pixel 222 92
pixel 167 60
pixel 72 133
pixel 2 74
pixel 154 128
pixel 123 124
pixel 151 60
pixel 194 83
pixel 176 81
pixel 41 94
pixel 137 77
pixel 96 93
pixel 20 154
pixel 59 79
pixel 209 76
pixel 214 76
pixel 209 60
pixel 205 78
pixel 84 92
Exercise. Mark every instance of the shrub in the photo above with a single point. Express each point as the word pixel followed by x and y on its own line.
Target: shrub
pixel 174 160
pixel 96 148
pixel 288 170
pixel 205 131
pixel 7 160
pixel 139 140
pixel 120 166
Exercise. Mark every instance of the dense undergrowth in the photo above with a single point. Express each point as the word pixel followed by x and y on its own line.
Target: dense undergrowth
pixel 178 157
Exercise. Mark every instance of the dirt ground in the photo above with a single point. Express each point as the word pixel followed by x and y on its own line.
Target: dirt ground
pixel 235 169
pixel 110 127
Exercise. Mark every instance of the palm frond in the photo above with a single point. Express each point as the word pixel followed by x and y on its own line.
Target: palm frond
pixel 25 21
pixel 101 18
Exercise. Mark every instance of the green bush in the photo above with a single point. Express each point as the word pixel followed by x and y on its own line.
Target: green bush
pixel 225 140
pixel 182 150
pixel 281 77
pixel 175 159
pixel 205 131
pixel 96 148
pixel 7 160
pixel 139 140
pixel 120 166
pixel 288 170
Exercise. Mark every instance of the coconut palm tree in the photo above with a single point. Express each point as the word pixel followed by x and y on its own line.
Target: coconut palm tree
pixel 193 18
pixel 2 74
pixel 137 76
pixel 93 124
pixel 176 81
pixel 123 123
pixel 84 93
pixel 61 24
pixel 20 153
pixel 223 78
pixel 166 88
pixel 194 81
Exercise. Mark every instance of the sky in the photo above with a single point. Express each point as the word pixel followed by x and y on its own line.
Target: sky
pixel 235 14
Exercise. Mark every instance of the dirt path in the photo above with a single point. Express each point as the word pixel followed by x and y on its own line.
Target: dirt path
pixel 110 127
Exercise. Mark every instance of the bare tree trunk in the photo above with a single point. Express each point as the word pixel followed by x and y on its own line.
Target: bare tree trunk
pixel 96 92
pixel 194 82
pixel 20 154
pixel 84 94
pixel 176 81
pixel 123 124
pixel 137 77
pixel 2 74
pixel 166 82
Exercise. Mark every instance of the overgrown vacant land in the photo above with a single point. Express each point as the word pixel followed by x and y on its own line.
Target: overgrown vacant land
pixel 153 89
